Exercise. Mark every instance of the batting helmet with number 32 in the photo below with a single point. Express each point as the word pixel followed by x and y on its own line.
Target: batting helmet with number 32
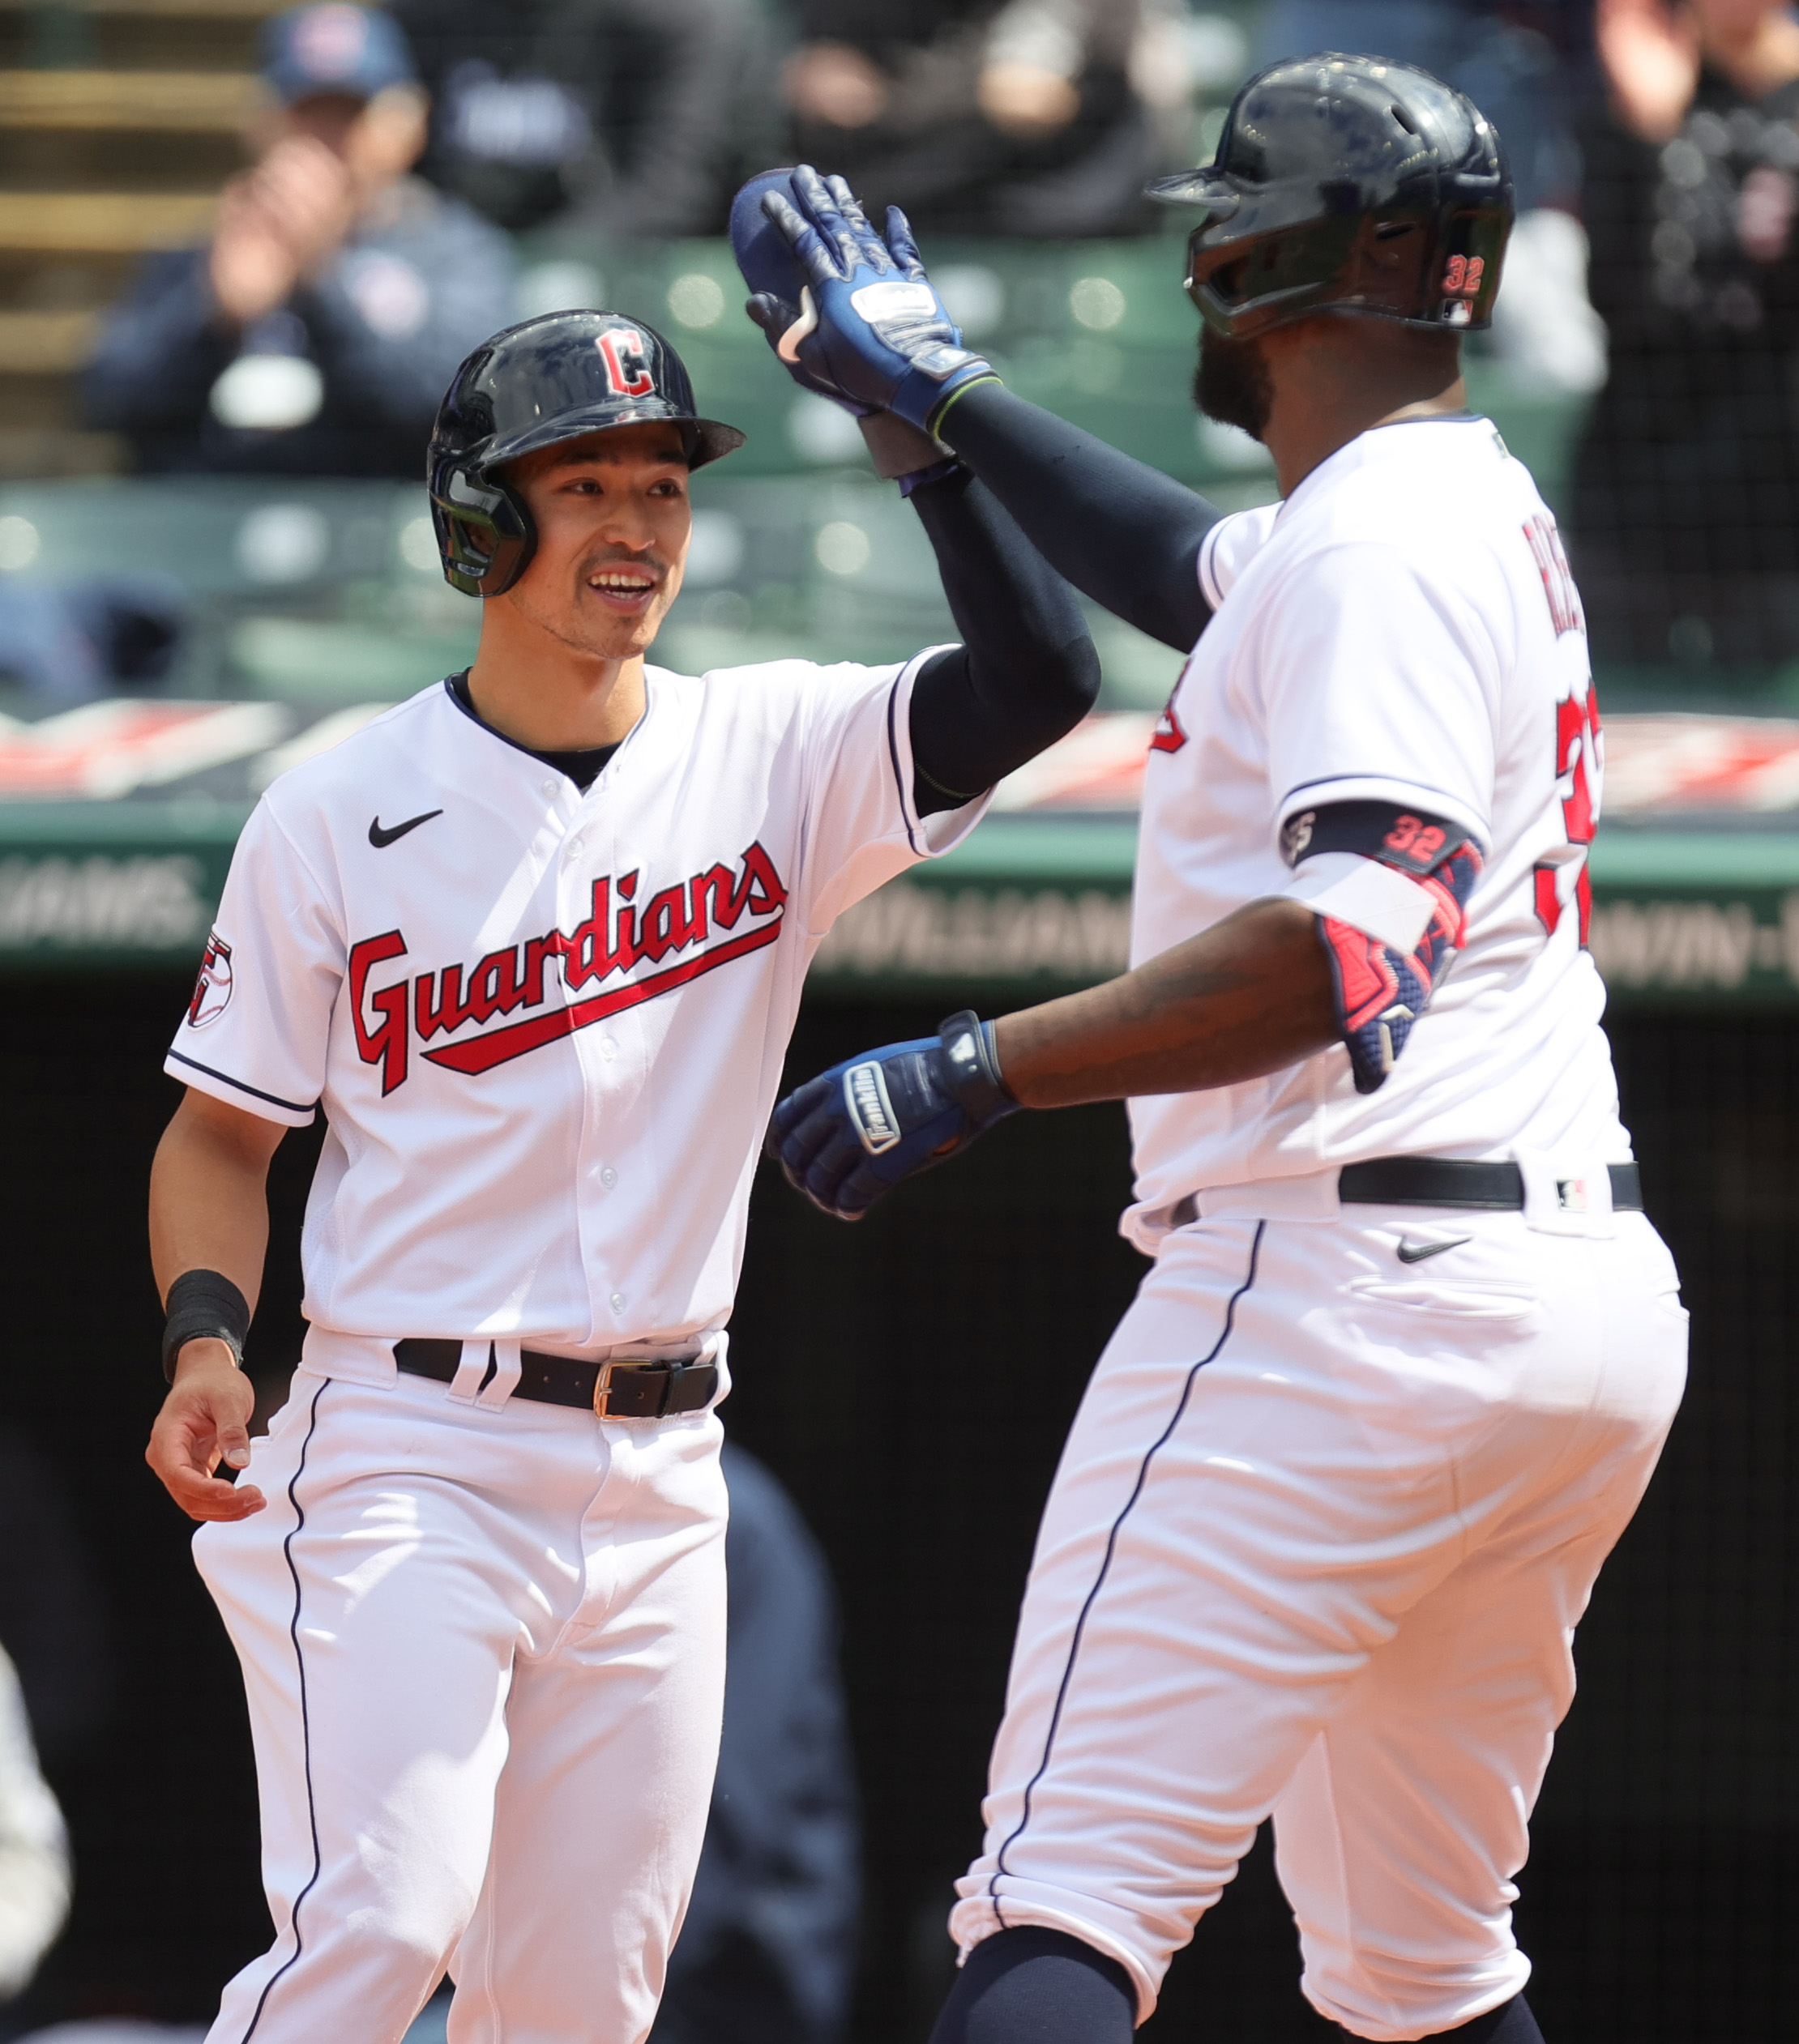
pixel 1347 185
pixel 551 379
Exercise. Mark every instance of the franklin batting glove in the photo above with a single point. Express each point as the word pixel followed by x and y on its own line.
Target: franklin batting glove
pixel 872 330
pixel 853 1133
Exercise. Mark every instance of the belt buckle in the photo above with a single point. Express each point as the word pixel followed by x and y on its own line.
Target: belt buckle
pixel 638 1364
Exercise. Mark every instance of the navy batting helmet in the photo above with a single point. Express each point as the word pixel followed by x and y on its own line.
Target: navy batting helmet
pixel 534 386
pixel 1347 184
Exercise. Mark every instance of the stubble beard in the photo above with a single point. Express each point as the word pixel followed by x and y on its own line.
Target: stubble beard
pixel 607 637
pixel 1232 384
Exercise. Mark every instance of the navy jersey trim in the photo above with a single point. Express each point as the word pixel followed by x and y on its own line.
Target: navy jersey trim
pixel 893 755
pixel 1297 794
pixel 306 1723
pixel 1105 1567
pixel 274 1100
pixel 573 764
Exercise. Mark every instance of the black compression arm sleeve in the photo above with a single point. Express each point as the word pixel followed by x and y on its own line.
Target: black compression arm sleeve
pixel 1025 671
pixel 1122 532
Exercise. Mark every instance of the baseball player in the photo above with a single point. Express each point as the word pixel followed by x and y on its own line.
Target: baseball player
pixel 1343 1477
pixel 534 941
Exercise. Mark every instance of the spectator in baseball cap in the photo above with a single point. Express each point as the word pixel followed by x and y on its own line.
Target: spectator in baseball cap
pixel 332 50
pixel 318 330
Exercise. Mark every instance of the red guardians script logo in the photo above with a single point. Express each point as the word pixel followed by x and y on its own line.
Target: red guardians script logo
pixel 617 937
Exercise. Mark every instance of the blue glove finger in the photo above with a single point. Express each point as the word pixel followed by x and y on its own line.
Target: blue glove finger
pixel 810 250
pixel 786 1143
pixel 811 1139
pixel 836 1162
pixel 859 1191
pixel 773 315
pixel 796 1106
pixel 816 195
pixel 800 1167
pixel 902 245
pixel 798 1151
pixel 871 251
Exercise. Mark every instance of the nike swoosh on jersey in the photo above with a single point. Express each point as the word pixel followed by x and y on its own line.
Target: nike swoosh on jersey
pixel 381 837
pixel 1416 1251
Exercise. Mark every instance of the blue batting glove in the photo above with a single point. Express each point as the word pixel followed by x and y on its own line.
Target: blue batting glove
pixel 777 285
pixel 850 1135
pixel 872 329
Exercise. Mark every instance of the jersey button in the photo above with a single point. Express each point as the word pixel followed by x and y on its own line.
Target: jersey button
pixel 618 1302
pixel 552 789
pixel 573 849
pixel 609 1176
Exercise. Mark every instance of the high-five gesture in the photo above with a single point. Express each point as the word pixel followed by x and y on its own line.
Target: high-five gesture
pixel 871 328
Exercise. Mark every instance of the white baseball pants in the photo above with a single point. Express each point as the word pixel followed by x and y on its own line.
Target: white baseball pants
pixel 1317 1546
pixel 485 1655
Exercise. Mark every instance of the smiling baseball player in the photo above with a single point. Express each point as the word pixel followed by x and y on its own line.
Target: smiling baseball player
pixel 534 941
pixel 1345 1474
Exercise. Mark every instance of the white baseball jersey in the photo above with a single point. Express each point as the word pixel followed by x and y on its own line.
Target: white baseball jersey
pixel 1404 628
pixel 546 1027
pixel 1341 1485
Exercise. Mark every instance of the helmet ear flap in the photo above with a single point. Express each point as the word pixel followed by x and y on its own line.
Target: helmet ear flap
pixel 485 536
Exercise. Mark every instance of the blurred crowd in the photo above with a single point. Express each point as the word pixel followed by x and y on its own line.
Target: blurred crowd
pixel 400 154
pixel 370 245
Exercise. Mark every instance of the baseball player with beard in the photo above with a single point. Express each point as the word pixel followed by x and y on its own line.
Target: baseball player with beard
pixel 1344 1476
pixel 534 941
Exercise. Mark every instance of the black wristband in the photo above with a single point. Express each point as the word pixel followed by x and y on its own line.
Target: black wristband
pixel 972 1063
pixel 203 1306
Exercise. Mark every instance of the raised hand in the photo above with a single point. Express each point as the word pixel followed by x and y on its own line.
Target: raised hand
pixel 1650 54
pixel 278 224
pixel 777 303
pixel 871 330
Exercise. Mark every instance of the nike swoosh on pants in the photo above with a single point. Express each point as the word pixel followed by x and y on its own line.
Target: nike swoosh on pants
pixel 1416 1251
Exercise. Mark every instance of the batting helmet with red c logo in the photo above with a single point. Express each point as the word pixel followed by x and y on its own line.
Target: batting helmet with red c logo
pixel 551 379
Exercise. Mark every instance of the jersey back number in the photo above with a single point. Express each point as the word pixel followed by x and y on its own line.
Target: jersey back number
pixel 1577 758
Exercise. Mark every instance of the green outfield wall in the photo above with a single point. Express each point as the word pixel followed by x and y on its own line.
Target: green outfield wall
pixel 1030 903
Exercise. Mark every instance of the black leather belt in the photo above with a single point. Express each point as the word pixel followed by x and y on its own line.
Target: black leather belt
pixel 625 1387
pixel 1441 1181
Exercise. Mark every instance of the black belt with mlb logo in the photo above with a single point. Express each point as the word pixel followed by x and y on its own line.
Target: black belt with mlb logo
pixel 1445 1181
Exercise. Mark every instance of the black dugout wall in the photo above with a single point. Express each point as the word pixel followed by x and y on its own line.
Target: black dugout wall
pixel 910 1379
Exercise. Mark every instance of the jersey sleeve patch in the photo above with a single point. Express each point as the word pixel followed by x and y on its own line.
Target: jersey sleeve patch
pixel 1411 840
pixel 1390 889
